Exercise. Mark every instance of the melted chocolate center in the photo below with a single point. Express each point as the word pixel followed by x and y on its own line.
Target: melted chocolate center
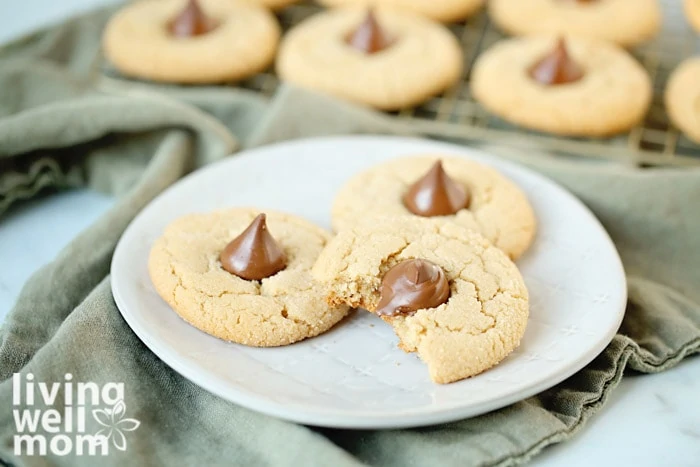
pixel 412 285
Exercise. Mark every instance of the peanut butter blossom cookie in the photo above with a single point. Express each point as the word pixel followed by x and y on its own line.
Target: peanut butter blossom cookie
pixel 189 41
pixel 624 22
pixel 682 97
pixel 226 274
pixel 443 10
pixel 450 296
pixel 384 59
pixel 447 189
pixel 577 87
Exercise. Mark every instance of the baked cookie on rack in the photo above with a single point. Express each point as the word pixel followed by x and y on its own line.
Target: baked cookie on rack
pixel 445 11
pixel 226 274
pixel 692 13
pixel 381 58
pixel 191 41
pixel 575 87
pixel 624 22
pixel 443 188
pixel 682 97
pixel 450 295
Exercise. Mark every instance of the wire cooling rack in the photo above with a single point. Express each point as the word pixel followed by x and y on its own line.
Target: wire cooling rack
pixel 456 116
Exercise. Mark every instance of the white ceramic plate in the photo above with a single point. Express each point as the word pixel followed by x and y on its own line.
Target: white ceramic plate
pixel 354 376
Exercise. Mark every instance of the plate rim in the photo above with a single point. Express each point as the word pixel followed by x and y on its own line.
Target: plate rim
pixel 301 414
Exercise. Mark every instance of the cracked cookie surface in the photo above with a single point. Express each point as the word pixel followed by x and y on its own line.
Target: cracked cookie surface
pixel 281 309
pixel 498 208
pixel 482 321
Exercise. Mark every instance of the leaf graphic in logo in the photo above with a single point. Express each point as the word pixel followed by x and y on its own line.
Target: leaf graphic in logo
pixel 103 417
pixel 115 424
pixel 119 440
pixel 105 433
pixel 129 424
pixel 119 410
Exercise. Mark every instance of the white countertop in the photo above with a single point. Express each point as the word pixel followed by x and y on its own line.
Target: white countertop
pixel 649 420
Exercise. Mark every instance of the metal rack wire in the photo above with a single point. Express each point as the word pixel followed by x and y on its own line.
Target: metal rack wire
pixel 455 115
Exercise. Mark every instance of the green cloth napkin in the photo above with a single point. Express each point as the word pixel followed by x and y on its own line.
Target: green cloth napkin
pixel 61 125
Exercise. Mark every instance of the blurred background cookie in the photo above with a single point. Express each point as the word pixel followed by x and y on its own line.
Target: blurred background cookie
pixel 442 10
pixel 625 22
pixel 385 59
pixel 682 97
pixel 576 87
pixel 692 13
pixel 190 41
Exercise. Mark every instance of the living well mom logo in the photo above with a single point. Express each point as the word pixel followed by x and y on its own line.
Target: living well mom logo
pixel 53 417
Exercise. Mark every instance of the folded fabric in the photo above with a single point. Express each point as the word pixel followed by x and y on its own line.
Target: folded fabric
pixel 63 125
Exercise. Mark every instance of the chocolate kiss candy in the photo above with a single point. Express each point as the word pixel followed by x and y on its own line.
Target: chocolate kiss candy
pixel 412 285
pixel 557 67
pixel 254 254
pixel 191 21
pixel 369 36
pixel 436 194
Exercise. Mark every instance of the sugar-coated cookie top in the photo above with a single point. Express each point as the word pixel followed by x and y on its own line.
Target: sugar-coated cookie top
pixel 497 208
pixel 286 307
